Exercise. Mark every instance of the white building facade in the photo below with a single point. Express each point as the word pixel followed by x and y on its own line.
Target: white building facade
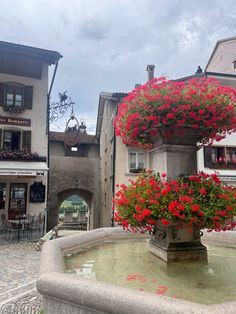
pixel 221 156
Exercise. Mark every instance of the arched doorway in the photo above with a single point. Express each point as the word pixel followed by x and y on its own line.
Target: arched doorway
pixel 74 213
pixel 74 207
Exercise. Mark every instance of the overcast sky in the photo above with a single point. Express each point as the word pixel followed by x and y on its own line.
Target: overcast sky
pixel 106 44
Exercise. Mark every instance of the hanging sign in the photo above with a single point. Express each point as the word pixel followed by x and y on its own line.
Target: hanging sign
pixel 37 192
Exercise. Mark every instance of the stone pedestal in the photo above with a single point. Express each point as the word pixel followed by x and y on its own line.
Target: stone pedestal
pixel 177 155
pixel 172 244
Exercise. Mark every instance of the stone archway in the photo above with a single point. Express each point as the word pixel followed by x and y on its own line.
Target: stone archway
pixel 82 194
pixel 86 195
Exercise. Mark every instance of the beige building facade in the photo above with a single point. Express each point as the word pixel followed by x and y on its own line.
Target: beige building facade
pixel 23 128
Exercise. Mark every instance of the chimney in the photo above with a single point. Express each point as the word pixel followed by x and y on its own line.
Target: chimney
pixel 150 70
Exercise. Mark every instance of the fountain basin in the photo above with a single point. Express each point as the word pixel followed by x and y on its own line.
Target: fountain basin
pixel 68 293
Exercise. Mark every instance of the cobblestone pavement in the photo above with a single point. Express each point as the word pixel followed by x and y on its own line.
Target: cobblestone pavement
pixel 19 264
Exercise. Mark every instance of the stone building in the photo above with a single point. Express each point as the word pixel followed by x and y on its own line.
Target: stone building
pixel 74 170
pixel 23 128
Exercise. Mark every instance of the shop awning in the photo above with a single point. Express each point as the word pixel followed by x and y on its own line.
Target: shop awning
pixel 22 168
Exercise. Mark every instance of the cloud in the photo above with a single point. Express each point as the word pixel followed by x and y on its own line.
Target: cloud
pixel 106 45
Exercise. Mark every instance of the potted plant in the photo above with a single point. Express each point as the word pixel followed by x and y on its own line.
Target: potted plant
pixel 176 210
pixel 200 109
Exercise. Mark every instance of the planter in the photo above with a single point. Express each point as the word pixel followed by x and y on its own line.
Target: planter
pixel 180 136
pixel 174 243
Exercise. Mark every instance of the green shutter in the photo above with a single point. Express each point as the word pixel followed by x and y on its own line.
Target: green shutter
pixel 207 157
pixel 2 88
pixel 26 141
pixel 28 97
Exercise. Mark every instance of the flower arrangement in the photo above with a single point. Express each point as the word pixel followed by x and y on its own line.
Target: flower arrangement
pixel 18 155
pixel 201 200
pixel 163 108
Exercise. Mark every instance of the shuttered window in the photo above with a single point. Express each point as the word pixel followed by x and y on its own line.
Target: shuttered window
pixel 16 96
pixel 15 140
pixel 220 157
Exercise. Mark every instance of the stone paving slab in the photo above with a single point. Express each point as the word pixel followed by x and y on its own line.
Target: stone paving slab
pixel 19 264
pixel 28 302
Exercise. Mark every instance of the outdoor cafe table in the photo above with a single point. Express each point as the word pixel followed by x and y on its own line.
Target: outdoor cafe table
pixel 18 221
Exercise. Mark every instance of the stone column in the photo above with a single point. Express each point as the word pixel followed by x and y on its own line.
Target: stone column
pixel 176 156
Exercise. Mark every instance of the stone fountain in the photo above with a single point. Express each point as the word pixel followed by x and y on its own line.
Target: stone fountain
pixel 68 293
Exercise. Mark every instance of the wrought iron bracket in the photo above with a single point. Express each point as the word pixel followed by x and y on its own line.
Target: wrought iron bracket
pixel 58 109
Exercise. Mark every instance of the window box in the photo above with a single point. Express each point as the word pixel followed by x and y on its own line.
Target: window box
pixel 138 170
pixel 224 166
pixel 20 155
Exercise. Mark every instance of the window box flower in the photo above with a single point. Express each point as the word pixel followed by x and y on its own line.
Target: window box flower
pixel 19 155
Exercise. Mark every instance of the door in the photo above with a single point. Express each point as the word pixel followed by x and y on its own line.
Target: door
pixel 17 200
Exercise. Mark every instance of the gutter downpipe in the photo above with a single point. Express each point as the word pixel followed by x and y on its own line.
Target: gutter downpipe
pixel 47 132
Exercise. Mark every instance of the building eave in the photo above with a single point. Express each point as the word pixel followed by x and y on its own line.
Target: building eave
pixel 46 56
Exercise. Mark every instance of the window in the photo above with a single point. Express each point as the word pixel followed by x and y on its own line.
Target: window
pixel 17 200
pixel 11 140
pixel 136 161
pixel 15 140
pixel 15 97
pixel 74 149
pixel 220 157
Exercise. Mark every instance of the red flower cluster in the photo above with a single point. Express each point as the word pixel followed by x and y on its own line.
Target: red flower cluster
pixel 202 200
pixel 163 108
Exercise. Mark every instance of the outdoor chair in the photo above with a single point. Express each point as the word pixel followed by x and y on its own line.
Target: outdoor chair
pixel 10 231
pixel 35 227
